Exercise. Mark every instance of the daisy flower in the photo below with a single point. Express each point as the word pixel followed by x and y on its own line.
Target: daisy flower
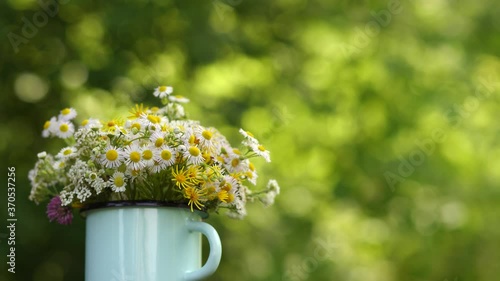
pixel 148 156
pixel 49 127
pixel 248 136
pixel 165 156
pixel 194 156
pixel 206 138
pixel 158 139
pixel 91 123
pixel 163 91
pixel 112 157
pixel 67 152
pixel 260 150
pixel 117 182
pixel 63 129
pixel 179 99
pixel 133 157
pixel 67 114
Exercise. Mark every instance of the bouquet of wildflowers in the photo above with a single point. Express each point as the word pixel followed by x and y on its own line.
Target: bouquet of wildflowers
pixel 153 154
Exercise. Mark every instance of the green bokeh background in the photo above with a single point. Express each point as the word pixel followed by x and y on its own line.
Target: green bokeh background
pixel 381 116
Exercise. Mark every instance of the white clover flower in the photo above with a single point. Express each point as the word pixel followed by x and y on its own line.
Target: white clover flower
pixel 163 91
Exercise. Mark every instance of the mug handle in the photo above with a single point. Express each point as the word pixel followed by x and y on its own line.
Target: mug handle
pixel 215 250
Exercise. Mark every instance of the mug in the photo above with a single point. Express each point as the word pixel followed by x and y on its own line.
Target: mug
pixel 147 241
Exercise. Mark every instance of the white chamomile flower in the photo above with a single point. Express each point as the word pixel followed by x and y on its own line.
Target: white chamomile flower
pixel 165 157
pixel 67 114
pixel 59 164
pixel 193 155
pixel 136 125
pixel 67 152
pixel 118 182
pixel 64 129
pixel 157 139
pixel 206 138
pixel 133 157
pixel 251 174
pixel 91 123
pixel 163 91
pixel 179 99
pixel 260 150
pixel 148 156
pixel 248 136
pixel 112 157
pixel 49 127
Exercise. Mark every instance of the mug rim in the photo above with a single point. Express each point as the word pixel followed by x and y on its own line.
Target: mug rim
pixel 137 203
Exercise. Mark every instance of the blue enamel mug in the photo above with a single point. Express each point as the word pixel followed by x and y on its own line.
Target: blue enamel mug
pixel 147 241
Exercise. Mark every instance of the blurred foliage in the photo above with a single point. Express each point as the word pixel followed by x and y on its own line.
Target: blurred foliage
pixel 380 115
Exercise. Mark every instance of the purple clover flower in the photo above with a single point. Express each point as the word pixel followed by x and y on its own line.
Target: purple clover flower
pixel 59 213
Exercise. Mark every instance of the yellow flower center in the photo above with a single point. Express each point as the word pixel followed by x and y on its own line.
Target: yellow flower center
pixel 261 148
pixel 235 162
pixel 180 178
pixel 237 151
pixel 137 126
pixel 66 111
pixel 166 155
pixel 153 119
pixel 250 134
pixel 147 154
pixel 192 139
pixel 85 122
pixel 159 142
pixel 64 128
pixel 46 125
pixel 119 181
pixel 163 88
pixel 111 123
pixel 207 135
pixel 251 166
pixel 67 152
pixel 135 156
pixel 194 151
pixel 112 155
pixel 226 187
pixel 230 198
